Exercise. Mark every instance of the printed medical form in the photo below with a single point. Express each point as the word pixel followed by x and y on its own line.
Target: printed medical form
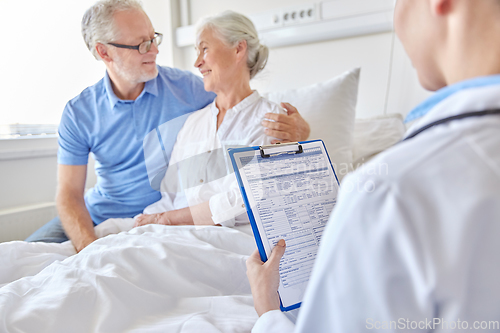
pixel 291 196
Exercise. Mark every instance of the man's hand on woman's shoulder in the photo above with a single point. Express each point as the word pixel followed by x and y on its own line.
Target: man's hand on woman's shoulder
pixel 287 128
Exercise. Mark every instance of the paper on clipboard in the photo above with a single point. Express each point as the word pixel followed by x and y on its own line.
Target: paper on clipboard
pixel 289 192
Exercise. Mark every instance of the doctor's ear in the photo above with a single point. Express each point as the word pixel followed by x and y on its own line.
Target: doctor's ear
pixel 442 7
pixel 102 51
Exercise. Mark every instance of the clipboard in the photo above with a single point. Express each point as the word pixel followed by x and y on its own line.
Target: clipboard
pixel 289 191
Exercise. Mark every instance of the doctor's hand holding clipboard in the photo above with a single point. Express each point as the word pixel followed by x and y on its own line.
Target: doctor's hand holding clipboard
pixel 289 191
pixel 264 279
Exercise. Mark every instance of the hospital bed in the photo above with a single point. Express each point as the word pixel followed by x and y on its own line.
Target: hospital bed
pixel 172 279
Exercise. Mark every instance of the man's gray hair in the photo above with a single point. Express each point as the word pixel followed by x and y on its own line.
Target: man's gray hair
pixel 98 24
pixel 233 28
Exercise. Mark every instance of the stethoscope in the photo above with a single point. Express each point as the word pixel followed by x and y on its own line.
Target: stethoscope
pixel 457 117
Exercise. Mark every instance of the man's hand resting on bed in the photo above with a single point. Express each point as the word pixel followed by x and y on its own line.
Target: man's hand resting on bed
pixel 265 279
pixel 287 128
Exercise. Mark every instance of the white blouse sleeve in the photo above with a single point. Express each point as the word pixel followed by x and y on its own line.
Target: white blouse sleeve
pixel 227 206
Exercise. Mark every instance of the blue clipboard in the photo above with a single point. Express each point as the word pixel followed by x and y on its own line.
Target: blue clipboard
pixel 266 152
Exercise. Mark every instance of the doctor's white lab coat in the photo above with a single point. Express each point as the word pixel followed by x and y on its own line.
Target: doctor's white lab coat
pixel 414 241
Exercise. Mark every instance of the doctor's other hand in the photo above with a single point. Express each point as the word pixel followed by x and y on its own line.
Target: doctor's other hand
pixel 265 279
pixel 287 128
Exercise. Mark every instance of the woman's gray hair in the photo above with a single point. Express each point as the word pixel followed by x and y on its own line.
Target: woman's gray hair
pixel 98 24
pixel 233 28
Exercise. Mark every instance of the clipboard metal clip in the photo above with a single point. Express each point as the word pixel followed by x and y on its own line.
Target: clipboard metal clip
pixel 280 148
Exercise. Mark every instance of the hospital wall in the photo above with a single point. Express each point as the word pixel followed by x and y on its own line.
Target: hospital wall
pixel 28 167
pixel 388 81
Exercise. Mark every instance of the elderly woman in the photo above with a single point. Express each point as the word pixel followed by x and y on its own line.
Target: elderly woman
pixel 229 56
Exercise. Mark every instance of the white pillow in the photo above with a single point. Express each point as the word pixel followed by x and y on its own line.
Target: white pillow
pixel 374 135
pixel 330 109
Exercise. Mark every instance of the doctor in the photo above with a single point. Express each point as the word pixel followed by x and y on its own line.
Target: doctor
pixel 418 250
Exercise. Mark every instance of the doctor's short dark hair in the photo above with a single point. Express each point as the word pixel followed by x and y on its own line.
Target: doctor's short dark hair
pixel 98 24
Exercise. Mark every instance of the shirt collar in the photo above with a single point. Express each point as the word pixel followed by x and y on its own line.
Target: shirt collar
pixel 442 94
pixel 151 87
pixel 112 98
pixel 252 98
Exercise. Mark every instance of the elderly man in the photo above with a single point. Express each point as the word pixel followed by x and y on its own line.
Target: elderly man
pixel 111 119
pixel 420 251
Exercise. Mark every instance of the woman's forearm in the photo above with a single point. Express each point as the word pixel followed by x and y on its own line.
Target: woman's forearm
pixel 196 215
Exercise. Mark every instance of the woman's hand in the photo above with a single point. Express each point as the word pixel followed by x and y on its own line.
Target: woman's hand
pixel 265 279
pixel 160 218
pixel 287 128
pixel 199 214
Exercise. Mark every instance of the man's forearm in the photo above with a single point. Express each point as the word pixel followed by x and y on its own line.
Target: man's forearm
pixel 76 221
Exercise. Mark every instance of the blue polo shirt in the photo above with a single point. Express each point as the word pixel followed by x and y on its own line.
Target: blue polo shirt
pixel 113 130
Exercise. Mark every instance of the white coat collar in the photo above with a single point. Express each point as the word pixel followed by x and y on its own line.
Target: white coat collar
pixel 468 100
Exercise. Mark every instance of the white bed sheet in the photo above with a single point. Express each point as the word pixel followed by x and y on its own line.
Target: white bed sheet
pixel 149 279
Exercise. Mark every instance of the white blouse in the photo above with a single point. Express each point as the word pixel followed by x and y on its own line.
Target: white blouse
pixel 200 169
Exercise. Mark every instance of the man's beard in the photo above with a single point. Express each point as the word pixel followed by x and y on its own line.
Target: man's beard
pixel 135 76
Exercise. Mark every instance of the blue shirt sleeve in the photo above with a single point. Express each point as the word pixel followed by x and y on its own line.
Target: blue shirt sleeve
pixel 73 148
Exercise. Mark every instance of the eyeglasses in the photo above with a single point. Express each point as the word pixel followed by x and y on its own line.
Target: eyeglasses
pixel 144 47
